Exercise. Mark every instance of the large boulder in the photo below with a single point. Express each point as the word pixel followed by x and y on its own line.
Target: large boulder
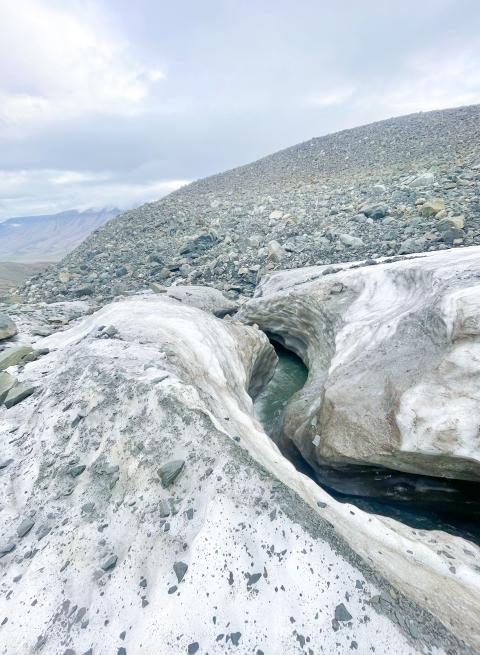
pixel 13 356
pixel 100 552
pixel 208 299
pixel 393 352
pixel 7 327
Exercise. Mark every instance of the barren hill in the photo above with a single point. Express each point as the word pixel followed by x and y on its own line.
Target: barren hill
pixel 403 185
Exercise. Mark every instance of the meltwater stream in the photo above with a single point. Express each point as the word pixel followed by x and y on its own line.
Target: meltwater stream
pixel 289 377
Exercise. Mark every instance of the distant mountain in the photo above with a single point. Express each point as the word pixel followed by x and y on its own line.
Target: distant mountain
pixel 48 237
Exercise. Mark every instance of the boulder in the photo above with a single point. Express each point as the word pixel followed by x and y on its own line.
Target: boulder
pixel 423 180
pixel 7 327
pixel 452 236
pixel 275 251
pixel 456 222
pixel 411 245
pixel 276 215
pixel 374 211
pixel 198 244
pixel 170 471
pixel 17 393
pixel 208 299
pixel 7 381
pixel 13 356
pixel 351 241
pixel 433 206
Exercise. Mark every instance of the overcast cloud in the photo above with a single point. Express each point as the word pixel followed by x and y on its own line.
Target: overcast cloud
pixel 114 102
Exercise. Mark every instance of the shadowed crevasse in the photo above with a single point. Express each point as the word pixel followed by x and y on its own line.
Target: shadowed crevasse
pixel 416 500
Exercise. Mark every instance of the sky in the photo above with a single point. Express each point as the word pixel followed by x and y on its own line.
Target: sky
pixel 115 103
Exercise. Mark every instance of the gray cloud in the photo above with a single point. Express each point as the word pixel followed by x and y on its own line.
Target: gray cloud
pixel 136 96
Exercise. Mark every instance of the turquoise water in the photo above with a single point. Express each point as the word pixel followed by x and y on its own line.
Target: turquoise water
pixel 290 376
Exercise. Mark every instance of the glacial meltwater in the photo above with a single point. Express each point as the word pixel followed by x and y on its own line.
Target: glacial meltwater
pixel 289 377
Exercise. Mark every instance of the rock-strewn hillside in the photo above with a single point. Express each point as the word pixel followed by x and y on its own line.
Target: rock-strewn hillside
pixel 403 185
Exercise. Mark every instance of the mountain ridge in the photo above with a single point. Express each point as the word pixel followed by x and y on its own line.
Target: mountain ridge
pixel 48 237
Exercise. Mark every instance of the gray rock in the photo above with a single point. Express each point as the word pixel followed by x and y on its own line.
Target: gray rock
pixel 31 357
pixel 255 240
pixel 77 470
pixel 42 331
pixel 423 180
pixel 7 327
pixel 7 381
pixel 170 471
pixel 13 356
pixel 82 291
pixel 18 393
pixel 6 548
pixel 198 244
pixel 110 563
pixel 88 508
pixel 25 526
pixel 206 298
pixel 253 578
pixel 180 569
pixel 164 509
pixel 158 288
pixel 412 245
pixel 375 212
pixel 433 206
pixel 351 241
pixel 109 331
pixel 235 638
pixel 342 614
pixel 451 235
pixel 156 258
pixel 42 531
pixel 455 222
pixel 275 251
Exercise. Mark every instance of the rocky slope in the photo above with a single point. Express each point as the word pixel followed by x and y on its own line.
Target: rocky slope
pixel 403 185
pixel 145 510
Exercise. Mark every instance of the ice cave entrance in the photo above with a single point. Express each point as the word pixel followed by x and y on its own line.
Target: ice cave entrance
pixel 289 377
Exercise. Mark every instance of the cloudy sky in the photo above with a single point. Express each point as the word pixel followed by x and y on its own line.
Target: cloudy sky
pixel 114 102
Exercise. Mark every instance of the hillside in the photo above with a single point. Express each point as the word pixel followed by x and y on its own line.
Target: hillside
pixel 48 237
pixel 398 186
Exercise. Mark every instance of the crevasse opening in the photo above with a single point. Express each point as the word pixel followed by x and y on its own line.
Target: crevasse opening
pixel 356 485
